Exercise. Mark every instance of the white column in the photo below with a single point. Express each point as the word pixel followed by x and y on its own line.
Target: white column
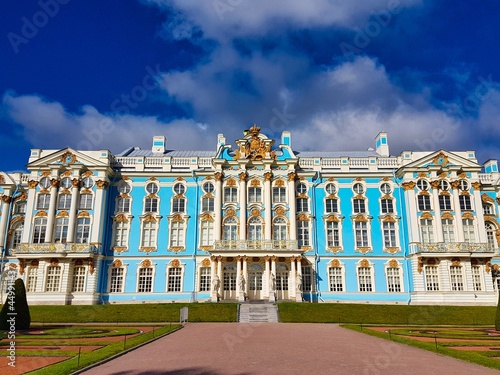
pixel 272 279
pixel 267 275
pixel 219 273
pixel 30 207
pixel 267 206
pixel 293 287
pixel 3 221
pixel 459 228
pixel 292 205
pixel 245 273
pixel 213 291
pixel 52 210
pixel 238 275
pixel 243 206
pixel 298 294
pixel 99 211
pixel 479 220
pixel 73 210
pixel 437 214
pixel 218 206
pixel 411 204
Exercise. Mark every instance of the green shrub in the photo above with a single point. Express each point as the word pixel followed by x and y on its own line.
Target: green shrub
pixel 15 312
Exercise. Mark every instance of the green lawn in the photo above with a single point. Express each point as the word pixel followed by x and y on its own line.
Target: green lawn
pixel 385 314
pixel 134 313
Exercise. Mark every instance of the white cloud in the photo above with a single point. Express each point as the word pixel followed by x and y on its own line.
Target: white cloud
pixel 47 124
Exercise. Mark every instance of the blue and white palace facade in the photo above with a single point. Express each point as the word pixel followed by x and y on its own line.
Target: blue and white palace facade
pixel 256 221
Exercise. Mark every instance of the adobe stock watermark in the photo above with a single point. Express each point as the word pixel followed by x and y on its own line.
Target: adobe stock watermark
pixel 243 331
pixel 371 29
pixel 468 106
pixel 95 136
pixel 11 314
pixel 32 25
pixel 223 6
pixel 380 362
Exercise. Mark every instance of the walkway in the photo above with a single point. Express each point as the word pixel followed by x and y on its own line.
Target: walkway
pixel 279 348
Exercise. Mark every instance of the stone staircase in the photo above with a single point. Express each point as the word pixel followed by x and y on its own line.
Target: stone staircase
pixel 253 313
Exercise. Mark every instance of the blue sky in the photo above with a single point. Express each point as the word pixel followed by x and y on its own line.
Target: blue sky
pixel 111 74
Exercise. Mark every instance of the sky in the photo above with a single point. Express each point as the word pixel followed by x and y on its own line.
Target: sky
pixel 110 74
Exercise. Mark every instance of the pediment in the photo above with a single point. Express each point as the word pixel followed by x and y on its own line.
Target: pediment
pixel 442 159
pixel 67 157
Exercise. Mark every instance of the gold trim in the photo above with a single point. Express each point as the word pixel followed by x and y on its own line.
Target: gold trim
pixel 175 263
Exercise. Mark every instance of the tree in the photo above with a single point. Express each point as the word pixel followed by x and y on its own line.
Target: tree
pixel 15 312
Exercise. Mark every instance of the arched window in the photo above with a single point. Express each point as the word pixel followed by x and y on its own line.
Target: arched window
pixel 17 233
pixel 255 229
pixel 230 229
pixel 280 229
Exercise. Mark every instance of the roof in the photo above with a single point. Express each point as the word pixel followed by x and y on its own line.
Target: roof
pixel 135 151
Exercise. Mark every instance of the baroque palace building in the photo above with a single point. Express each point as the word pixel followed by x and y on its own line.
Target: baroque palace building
pixel 257 222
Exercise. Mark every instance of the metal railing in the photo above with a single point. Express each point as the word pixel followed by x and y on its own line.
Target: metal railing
pixel 56 248
pixel 256 245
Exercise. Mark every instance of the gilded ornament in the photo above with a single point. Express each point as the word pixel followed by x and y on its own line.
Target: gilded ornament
pixel 22 266
pixel 175 263
pixel 364 263
pixel 334 249
pixel 393 263
pixel 361 218
pixel 205 262
pixel 441 159
pixel 268 176
pixel 388 219
pixel 149 219
pixel 447 215
pixel 68 158
pixel 117 263
pixel 230 212
pixel 427 215
pixel 303 217
pixel 435 184
pixel 231 182
pixel 34 263
pixel 455 184
pixel 422 174
pixel 335 263
pixel 121 218
pixel 455 262
pixel 54 262
pixel 420 264
pixel 102 184
pixel 146 263
pixel 255 212
pixel 292 176
pixel 358 179
pixel 54 183
pixel 78 262
pixel 280 211
pixel 41 214
pixel 467 215
pixel 45 173
pixel 89 173
pixel 6 199
pixel 254 183
pixel 486 198
pixel 408 185
pixel 476 185
pixel 488 267
pixel 279 183
pixel 91 265
pixel 218 176
pixel 332 218
pixel 243 176
pixel 62 214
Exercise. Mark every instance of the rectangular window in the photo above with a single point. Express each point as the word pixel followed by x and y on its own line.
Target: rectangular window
pixel 477 279
pixel 207 233
pixel 365 279
pixel 145 280
pixel 456 279
pixel 448 230
pixel 148 234
pixel 43 202
pixel 302 205
pixel 151 205
pixel 123 205
pixel 254 195
pixel 332 234
pixel 361 229
pixel 359 206
pixel 61 232
pixel 53 282
pixel 335 277
pixel 303 233
pixel 178 205
pixel 393 280
pixel 431 278
pixel 64 202
pixel 207 204
pixel 488 209
pixel 86 201
pixel 427 231
pixel 306 279
pixel 32 279
pixel 20 208
pixel 177 234
pixel 230 195
pixel 174 279
pixel 40 227
pixel 121 234
pixel 387 206
pixel 445 203
pixel 331 206
pixel 424 202
pixel 82 230
pixel 78 279
pixel 465 202
pixel 116 282
pixel 469 233
pixel 389 234
pixel 205 279
pixel 279 195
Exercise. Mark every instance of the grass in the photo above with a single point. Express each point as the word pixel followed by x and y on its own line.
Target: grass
pixel 111 349
pixel 469 356
pixel 386 314
pixel 134 313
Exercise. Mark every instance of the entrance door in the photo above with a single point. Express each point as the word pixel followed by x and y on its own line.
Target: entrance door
pixel 229 282
pixel 281 281
pixel 255 282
